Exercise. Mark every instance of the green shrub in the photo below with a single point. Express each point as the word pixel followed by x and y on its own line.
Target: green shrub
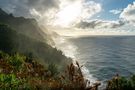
pixel 121 83
pixel 53 69
pixel 4 55
pixel 8 81
pixel 16 61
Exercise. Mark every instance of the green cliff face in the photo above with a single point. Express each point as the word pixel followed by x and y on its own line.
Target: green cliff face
pixel 18 34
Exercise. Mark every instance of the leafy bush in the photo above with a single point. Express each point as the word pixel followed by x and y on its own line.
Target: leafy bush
pixel 53 69
pixel 4 55
pixel 9 81
pixel 16 61
pixel 121 83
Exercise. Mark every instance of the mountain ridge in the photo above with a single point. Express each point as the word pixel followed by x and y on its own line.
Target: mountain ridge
pixel 27 40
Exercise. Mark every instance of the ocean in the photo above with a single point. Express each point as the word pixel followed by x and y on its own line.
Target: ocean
pixel 102 57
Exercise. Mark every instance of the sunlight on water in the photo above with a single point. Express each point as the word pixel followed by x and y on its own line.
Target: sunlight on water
pixel 70 50
pixel 105 56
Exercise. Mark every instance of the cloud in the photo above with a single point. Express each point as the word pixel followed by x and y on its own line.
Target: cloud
pixel 116 11
pixel 42 10
pixel 98 24
pixel 42 5
pixel 71 12
pixel 23 7
pixel 128 14
pixel 47 10
pixel 89 9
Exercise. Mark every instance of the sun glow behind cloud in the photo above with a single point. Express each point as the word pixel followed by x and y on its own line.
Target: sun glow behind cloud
pixel 76 14
pixel 71 12
pixel 68 14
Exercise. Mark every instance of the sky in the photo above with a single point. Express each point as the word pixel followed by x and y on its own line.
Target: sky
pixel 78 17
pixel 112 6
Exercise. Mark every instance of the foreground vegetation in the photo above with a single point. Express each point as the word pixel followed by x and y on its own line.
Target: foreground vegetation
pixel 21 72
pixel 25 73
pixel 121 83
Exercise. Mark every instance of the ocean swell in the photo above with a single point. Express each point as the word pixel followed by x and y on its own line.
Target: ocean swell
pixel 70 50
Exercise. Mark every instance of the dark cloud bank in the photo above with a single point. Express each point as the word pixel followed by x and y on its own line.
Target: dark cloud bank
pixel 94 24
pixel 23 7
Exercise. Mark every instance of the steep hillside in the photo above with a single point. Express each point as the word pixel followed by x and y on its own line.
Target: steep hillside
pixel 11 42
pixel 28 27
pixel 18 34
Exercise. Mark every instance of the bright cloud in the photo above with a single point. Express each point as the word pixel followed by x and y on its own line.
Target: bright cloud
pixel 73 12
pixel 68 13
pixel 53 12
pixel 89 9
pixel 128 13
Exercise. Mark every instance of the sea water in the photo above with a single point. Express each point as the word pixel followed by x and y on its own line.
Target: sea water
pixel 102 57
